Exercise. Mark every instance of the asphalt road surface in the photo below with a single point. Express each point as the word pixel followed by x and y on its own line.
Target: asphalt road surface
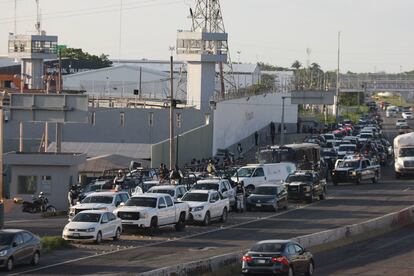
pixel 346 204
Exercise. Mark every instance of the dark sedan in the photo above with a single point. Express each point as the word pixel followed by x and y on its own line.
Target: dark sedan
pixel 269 196
pixel 278 257
pixel 18 247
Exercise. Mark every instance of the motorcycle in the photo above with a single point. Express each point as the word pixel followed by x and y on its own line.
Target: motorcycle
pixel 37 205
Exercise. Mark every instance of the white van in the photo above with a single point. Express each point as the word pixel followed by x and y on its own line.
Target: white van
pixel 254 175
pixel 404 154
pixel 392 111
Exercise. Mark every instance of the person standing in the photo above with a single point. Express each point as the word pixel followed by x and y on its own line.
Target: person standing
pixel 240 195
pixel 272 132
pixel 240 150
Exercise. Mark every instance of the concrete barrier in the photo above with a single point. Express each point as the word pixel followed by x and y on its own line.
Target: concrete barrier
pixel 393 220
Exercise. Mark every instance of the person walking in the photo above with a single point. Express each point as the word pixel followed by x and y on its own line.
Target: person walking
pixel 256 138
pixel 240 150
pixel 240 195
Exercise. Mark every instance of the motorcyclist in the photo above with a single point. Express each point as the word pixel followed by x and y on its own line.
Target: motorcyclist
pixel 240 195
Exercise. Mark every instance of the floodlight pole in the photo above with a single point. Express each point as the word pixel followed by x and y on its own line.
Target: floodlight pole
pixel 171 112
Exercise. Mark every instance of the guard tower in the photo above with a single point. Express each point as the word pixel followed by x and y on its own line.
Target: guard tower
pixel 202 47
pixel 32 50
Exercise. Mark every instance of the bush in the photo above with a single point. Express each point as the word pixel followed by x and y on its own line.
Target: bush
pixel 54 243
pixel 54 214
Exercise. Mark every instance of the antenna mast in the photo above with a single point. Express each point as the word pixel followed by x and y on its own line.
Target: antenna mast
pixel 38 18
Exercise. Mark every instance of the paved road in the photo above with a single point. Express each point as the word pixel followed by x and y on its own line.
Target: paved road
pixel 346 204
pixel 391 254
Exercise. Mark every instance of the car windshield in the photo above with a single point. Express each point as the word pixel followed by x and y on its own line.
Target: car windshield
pixel 6 238
pixel 265 191
pixel 366 135
pixel 206 186
pixel 349 164
pixel 195 197
pixel 244 172
pixel 346 148
pixel 328 153
pixel 401 121
pixel 91 188
pixel 87 217
pixel 142 202
pixel 267 247
pixel 162 191
pixel 406 152
pixel 98 199
pixel 299 178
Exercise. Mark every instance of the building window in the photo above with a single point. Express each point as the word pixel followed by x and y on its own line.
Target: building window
pixel 122 117
pixel 93 118
pixel 46 184
pixel 26 184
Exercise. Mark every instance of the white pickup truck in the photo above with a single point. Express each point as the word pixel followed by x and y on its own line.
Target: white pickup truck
pixel 150 211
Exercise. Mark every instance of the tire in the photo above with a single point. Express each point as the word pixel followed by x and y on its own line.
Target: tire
pixel 224 215
pixel 9 264
pixel 375 179
pixel 397 175
pixel 98 238
pixel 180 225
pixel 117 234
pixel 276 206
pixel 153 227
pixel 310 270
pixel 310 200
pixel 358 181
pixel 51 209
pixel 35 259
pixel 206 220
pixel 335 183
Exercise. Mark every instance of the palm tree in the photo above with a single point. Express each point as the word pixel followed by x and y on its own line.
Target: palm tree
pixel 296 65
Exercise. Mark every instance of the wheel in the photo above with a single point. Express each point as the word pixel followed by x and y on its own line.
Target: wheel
pixel 310 270
pixel 153 227
pixel 35 258
pixel 310 200
pixel 291 273
pixel 10 264
pixel 397 175
pixel 335 183
pixel 276 206
pixel 224 215
pixel 375 179
pixel 98 239
pixel 249 189
pixel 206 220
pixel 358 181
pixel 51 209
pixel 180 225
pixel 117 234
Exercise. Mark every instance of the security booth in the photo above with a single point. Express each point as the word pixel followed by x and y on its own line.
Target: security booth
pixel 50 173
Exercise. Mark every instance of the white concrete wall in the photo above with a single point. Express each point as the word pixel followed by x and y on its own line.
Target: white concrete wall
pixel 236 119
pixel 200 84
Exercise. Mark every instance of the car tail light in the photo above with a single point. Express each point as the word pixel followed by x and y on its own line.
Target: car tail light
pixel 247 259
pixel 282 260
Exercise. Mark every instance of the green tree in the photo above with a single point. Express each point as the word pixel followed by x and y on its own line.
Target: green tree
pixel 296 65
pixel 77 53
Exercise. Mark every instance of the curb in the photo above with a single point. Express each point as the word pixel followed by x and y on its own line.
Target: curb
pixel 393 220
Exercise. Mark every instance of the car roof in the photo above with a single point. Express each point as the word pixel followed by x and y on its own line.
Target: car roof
pixel 271 185
pixel 166 187
pixel 108 193
pixel 202 191
pixel 150 195
pixel 274 241
pixel 12 231
pixel 99 212
pixel 209 181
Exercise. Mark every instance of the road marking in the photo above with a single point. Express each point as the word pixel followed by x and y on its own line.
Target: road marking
pixel 161 242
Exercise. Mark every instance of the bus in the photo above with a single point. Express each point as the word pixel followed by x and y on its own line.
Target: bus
pixel 290 153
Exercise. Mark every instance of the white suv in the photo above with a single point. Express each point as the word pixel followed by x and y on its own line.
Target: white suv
pixel 401 123
pixel 106 201
pixel 217 184
pixel 206 205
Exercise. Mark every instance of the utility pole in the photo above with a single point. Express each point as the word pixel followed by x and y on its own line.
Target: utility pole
pixel 22 81
pixel 59 125
pixel 336 107
pixel 282 123
pixel 1 165
pixel 171 111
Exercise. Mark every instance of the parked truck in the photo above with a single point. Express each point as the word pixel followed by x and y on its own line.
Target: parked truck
pixel 151 211
pixel 404 154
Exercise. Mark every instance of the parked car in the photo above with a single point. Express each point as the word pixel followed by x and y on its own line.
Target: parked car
pixel 175 191
pixel 93 225
pixel 306 186
pixel 356 170
pixel 407 115
pixel 97 186
pixel 401 123
pixel 107 201
pixel 259 174
pixel 346 149
pixel 217 184
pixel 206 205
pixel 278 257
pixel 18 247
pixel 268 196
pixel 151 211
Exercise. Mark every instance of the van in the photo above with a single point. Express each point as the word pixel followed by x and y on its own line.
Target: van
pixel 254 175
pixel 392 111
pixel 404 154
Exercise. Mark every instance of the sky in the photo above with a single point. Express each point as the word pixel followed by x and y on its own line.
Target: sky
pixel 376 35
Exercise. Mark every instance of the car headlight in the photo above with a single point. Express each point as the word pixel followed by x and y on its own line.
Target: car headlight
pixel 92 229
pixel 144 215
pixel 196 209
pixel 353 173
pixel 399 165
pixel 3 253
pixel 306 188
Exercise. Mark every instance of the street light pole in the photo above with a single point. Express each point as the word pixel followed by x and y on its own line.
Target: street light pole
pixel 282 123
pixel 336 107
pixel 171 111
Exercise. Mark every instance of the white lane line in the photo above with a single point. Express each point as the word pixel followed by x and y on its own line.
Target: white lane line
pixel 161 242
